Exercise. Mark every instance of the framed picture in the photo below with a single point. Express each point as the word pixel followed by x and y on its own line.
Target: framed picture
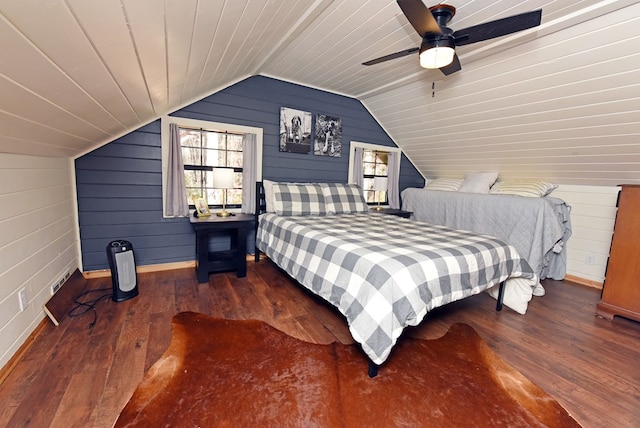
pixel 328 141
pixel 295 130
pixel 202 207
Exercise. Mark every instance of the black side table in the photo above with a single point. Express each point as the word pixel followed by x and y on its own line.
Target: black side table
pixel 393 211
pixel 235 258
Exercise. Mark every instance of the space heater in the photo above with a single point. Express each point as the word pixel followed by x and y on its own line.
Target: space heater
pixel 123 270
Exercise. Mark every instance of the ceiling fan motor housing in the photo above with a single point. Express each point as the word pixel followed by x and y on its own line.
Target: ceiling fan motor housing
pixel 442 13
pixel 437 40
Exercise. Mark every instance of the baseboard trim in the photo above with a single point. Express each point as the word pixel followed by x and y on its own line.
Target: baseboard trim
pixel 584 281
pixel 142 269
pixel 22 350
pixel 191 264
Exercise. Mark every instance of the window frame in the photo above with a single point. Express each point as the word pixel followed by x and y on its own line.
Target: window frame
pixel 373 176
pixel 205 168
pixel 208 126
pixel 374 147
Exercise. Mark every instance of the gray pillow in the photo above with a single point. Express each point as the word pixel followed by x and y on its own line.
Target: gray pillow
pixel 298 199
pixel 344 198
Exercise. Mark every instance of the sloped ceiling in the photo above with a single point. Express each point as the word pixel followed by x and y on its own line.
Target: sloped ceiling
pixel 560 102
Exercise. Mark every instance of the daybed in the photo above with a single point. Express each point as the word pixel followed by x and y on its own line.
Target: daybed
pixel 538 227
pixel 382 272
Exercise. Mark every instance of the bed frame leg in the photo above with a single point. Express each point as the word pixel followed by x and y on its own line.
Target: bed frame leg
pixel 500 296
pixel 373 369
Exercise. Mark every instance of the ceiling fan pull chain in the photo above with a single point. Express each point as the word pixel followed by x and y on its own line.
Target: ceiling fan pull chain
pixel 433 87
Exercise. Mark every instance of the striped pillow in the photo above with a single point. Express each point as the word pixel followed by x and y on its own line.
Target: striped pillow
pixel 444 184
pixel 344 198
pixel 531 189
pixel 298 199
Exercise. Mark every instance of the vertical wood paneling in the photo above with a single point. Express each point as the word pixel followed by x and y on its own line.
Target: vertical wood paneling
pixel 120 184
pixel 37 240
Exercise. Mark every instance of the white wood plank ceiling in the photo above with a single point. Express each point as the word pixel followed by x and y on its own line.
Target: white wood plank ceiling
pixel 559 102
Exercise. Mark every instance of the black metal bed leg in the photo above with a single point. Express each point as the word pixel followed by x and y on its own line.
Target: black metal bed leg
pixel 373 369
pixel 500 296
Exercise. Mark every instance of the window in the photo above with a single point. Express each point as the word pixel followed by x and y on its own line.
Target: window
pixel 206 145
pixel 375 163
pixel 204 150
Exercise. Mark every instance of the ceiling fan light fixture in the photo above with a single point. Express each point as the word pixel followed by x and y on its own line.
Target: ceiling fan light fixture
pixel 437 53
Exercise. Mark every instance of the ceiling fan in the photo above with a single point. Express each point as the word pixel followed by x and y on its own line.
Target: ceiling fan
pixel 439 41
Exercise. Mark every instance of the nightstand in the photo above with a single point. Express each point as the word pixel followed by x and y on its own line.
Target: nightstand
pixel 237 226
pixel 393 211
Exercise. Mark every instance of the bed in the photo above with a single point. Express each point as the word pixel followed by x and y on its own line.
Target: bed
pixel 383 273
pixel 538 227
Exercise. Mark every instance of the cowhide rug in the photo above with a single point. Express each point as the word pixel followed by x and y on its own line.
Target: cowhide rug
pixel 225 373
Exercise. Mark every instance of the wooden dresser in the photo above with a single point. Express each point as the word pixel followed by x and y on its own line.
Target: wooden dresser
pixel 621 292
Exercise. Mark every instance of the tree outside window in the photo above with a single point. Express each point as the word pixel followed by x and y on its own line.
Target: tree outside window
pixel 204 150
pixel 375 163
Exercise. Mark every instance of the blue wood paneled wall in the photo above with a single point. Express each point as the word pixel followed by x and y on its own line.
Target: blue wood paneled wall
pixel 120 184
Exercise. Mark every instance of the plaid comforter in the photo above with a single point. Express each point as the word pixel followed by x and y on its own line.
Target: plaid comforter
pixel 382 272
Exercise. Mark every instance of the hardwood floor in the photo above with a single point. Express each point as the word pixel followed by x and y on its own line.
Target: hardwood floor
pixel 76 376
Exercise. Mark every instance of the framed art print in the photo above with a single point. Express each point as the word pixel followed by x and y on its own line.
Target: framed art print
pixel 295 130
pixel 328 141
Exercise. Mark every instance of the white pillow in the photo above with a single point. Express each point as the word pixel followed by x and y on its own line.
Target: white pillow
pixel 268 195
pixel 444 184
pixel 517 293
pixel 531 189
pixel 478 182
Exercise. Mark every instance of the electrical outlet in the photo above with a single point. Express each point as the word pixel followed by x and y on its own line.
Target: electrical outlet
pixel 590 259
pixel 23 299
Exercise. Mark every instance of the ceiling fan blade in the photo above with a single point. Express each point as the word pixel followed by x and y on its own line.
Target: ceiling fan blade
pixel 453 67
pixel 391 56
pixel 497 28
pixel 419 16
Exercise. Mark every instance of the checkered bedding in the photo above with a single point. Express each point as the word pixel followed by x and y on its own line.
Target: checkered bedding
pixel 382 272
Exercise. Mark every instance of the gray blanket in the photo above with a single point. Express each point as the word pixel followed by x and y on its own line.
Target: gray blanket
pixel 537 227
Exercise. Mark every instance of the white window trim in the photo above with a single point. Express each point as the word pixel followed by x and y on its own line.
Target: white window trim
pixel 355 144
pixel 210 126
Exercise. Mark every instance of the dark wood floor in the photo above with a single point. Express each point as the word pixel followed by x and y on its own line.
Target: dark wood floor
pixel 76 376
